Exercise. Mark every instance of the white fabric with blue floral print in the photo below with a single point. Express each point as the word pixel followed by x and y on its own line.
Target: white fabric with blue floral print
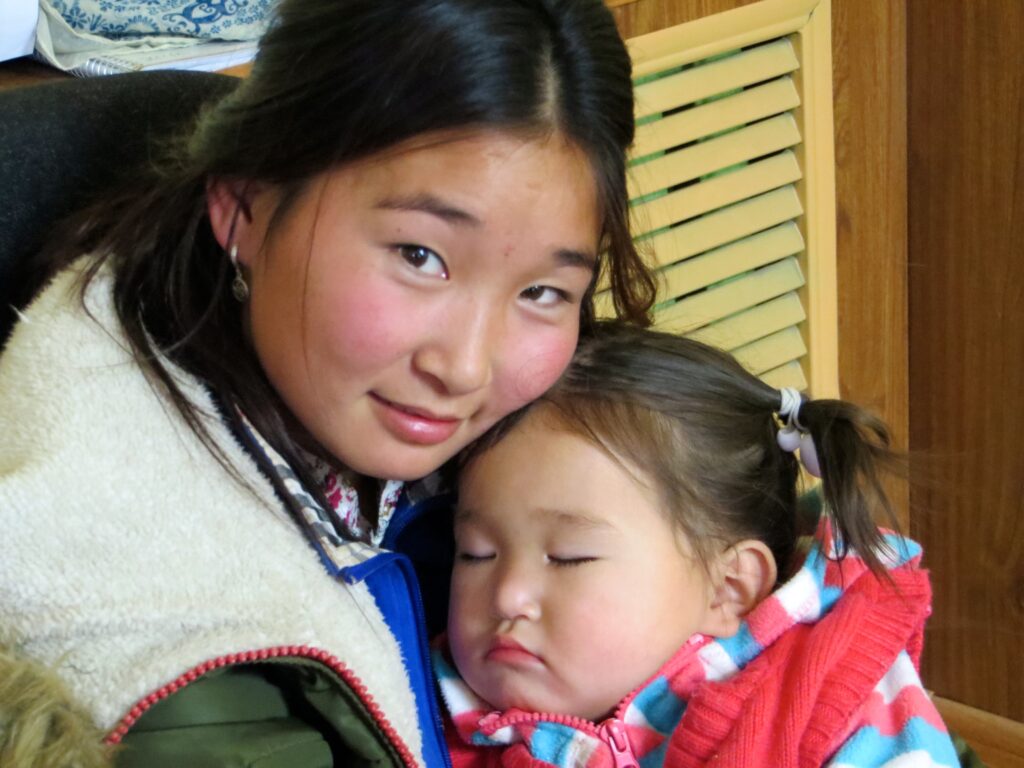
pixel 93 37
pixel 205 19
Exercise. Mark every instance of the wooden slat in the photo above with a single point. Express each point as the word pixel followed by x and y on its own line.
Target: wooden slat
pixel 694 272
pixel 724 226
pixel 752 324
pixel 772 351
pixel 789 375
pixel 700 159
pixel 731 260
pixel 730 297
pixel 772 98
pixel 719 33
pixel 716 192
pixel 754 65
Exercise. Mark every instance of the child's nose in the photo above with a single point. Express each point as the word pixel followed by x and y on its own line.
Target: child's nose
pixel 516 595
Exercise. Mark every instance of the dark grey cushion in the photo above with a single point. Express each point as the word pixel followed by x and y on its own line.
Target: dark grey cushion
pixel 63 143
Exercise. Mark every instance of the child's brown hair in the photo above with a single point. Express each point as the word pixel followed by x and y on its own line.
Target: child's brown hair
pixel 703 431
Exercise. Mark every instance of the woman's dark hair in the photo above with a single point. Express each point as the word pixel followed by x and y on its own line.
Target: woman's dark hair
pixel 336 81
pixel 702 430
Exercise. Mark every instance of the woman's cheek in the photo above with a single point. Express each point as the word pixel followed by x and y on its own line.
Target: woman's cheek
pixel 541 365
pixel 363 326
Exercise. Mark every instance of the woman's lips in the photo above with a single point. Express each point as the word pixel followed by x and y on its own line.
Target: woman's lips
pixel 507 651
pixel 414 425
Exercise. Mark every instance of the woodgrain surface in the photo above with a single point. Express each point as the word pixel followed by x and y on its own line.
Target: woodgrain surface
pixel 966 174
pixel 998 741
pixel 870 109
pixel 15 73
pixel 643 16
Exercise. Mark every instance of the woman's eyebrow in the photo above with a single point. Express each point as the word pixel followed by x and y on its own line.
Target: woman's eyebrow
pixel 425 202
pixel 567 257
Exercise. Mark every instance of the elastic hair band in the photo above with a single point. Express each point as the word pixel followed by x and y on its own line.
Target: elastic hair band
pixel 793 437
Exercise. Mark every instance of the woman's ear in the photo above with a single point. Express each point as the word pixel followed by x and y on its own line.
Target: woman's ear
pixel 229 203
pixel 742 576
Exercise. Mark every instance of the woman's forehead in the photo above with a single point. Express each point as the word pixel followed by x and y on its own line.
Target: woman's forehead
pixel 531 188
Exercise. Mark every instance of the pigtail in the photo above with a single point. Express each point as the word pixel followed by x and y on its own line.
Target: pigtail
pixel 853 451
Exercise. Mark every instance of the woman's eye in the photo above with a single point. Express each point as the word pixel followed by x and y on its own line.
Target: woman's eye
pixel 424 260
pixel 569 562
pixel 545 295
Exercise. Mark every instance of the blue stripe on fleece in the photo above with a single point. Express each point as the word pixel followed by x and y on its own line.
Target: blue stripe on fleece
pixel 656 757
pixel 553 743
pixel 741 647
pixel 815 565
pixel 902 550
pixel 660 706
pixel 869 748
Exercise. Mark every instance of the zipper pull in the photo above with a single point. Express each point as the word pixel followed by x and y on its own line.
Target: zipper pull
pixel 614 735
pixel 487 724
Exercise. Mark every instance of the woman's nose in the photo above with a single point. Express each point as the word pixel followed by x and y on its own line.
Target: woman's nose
pixel 458 353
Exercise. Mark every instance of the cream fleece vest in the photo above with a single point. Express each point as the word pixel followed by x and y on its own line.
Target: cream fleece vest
pixel 129 555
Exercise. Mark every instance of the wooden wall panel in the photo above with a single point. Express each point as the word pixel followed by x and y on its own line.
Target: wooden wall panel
pixel 870 107
pixel 869 84
pixel 966 188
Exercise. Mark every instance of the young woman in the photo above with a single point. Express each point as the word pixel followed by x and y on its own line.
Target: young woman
pixel 383 242
pixel 633 584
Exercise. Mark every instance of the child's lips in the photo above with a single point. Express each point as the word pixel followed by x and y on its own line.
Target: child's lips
pixel 505 650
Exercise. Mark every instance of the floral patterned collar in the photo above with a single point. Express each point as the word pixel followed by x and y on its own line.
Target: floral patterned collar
pixel 337 549
pixel 339 487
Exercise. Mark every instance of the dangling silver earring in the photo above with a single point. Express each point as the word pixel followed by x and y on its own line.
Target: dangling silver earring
pixel 239 288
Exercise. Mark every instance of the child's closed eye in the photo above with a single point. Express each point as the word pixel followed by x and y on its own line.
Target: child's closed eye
pixel 569 562
pixel 473 557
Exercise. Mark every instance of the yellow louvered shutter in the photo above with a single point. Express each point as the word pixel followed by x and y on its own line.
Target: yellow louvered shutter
pixel 732 186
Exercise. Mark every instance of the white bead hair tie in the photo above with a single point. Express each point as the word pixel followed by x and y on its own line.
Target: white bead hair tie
pixel 793 436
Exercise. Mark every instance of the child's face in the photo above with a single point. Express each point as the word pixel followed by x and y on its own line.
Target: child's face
pixel 570 588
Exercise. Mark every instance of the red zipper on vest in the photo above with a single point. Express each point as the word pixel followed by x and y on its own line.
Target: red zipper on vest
pixel 612 731
pixel 614 735
pixel 248 657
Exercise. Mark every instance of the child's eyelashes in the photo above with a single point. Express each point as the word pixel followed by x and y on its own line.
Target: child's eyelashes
pixel 555 560
pixel 423 259
pixel 569 562
pixel 471 557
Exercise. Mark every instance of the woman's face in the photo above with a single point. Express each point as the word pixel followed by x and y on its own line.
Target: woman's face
pixel 406 302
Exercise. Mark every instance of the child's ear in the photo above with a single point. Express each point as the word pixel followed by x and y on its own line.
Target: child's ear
pixel 742 576
pixel 229 203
